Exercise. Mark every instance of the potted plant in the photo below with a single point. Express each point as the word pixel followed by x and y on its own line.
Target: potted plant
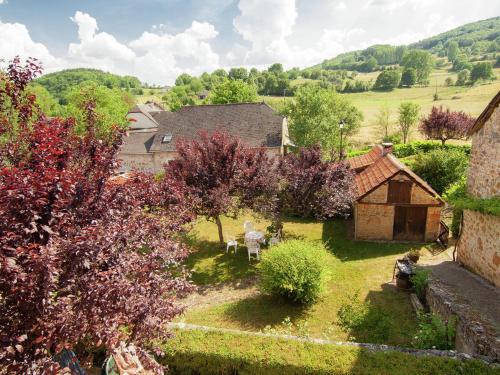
pixel 414 255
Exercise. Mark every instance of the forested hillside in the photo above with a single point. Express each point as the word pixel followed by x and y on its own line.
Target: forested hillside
pixel 58 84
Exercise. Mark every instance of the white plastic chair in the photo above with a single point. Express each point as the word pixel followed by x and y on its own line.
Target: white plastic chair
pixel 253 248
pixel 231 242
pixel 248 226
pixel 274 240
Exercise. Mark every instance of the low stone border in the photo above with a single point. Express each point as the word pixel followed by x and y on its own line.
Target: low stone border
pixel 372 347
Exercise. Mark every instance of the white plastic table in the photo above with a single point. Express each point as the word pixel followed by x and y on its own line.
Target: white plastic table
pixel 255 236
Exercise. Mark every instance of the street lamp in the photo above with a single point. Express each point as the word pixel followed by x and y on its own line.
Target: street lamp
pixel 341 126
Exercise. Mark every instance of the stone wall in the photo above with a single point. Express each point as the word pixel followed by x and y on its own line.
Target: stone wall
pixel 473 336
pixel 379 195
pixel 479 246
pixel 140 162
pixel 484 167
pixel 421 196
pixel 432 224
pixel 374 222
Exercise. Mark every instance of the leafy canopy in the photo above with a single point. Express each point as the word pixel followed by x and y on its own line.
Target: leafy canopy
pixel 314 116
pixel 443 124
pixel 233 91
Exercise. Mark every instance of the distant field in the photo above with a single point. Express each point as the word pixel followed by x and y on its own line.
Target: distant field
pixel 472 100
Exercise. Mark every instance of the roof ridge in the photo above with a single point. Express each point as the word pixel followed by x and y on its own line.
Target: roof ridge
pixel 222 104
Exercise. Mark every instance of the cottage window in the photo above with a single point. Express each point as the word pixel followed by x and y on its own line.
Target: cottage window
pixel 167 138
pixel 399 192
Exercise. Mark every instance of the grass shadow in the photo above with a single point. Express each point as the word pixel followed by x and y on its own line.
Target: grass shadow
pixel 257 312
pixel 336 240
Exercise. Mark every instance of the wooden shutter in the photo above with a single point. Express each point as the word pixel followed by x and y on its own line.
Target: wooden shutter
pixel 399 192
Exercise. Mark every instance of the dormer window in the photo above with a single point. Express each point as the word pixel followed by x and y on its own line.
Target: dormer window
pixel 167 138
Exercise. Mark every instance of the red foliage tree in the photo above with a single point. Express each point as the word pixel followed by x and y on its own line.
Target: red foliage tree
pixel 220 174
pixel 445 124
pixel 312 187
pixel 82 259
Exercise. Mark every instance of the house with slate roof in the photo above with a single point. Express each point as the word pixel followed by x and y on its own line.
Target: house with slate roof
pixel 153 132
pixel 393 203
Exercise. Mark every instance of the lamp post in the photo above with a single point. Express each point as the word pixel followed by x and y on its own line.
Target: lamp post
pixel 341 127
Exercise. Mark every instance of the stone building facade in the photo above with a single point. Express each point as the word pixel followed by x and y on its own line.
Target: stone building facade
pixel 479 245
pixel 393 203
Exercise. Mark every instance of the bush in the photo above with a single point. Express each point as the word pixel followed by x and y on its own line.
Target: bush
pixel 295 270
pixel 441 168
pixel 433 333
pixel 419 281
pixel 456 191
pixel 413 148
pixel 387 80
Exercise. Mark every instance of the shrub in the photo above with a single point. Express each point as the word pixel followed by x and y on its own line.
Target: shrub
pixel 454 192
pixel 419 281
pixel 295 270
pixel 433 333
pixel 441 168
pixel 413 148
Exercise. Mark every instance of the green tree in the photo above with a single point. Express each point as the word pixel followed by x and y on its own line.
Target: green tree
pixel 183 79
pixel 408 117
pixel 481 70
pixel 315 115
pixel 276 68
pixel 463 77
pixel 233 91
pixel 409 77
pixel 179 96
pixel 47 103
pixel 111 106
pixel 238 73
pixel 383 121
pixel 422 62
pixel 387 80
pixel 452 51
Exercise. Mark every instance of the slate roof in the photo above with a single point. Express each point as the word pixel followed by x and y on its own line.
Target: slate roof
pixel 362 161
pixel 384 169
pixel 137 142
pixel 485 115
pixel 257 124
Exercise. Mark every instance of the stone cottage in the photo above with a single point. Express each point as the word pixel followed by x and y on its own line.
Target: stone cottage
pixel 478 248
pixel 393 203
pixel 153 132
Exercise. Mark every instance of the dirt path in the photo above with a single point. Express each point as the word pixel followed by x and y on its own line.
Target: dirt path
pixel 212 295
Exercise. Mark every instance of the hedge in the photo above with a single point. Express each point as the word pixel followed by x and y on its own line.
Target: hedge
pixel 208 352
pixel 413 148
pixel 490 206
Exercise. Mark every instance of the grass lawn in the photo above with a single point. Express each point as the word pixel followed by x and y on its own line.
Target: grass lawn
pixel 198 352
pixel 362 267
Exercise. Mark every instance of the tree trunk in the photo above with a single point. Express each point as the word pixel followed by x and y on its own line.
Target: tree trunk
pixel 443 141
pixel 219 227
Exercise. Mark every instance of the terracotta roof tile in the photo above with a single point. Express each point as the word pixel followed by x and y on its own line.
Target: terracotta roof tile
pixel 362 161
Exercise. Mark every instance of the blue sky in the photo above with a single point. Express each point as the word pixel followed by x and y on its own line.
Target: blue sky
pixel 158 39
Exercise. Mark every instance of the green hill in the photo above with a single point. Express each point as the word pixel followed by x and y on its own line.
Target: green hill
pixel 475 40
pixel 58 83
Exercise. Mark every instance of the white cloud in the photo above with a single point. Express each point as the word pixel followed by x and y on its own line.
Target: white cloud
pixel 15 40
pixel 3 2
pixel 341 6
pixel 154 57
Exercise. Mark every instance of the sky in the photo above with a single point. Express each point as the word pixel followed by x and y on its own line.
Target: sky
pixel 156 40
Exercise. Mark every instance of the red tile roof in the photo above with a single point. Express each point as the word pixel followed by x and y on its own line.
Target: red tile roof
pixel 362 161
pixel 384 169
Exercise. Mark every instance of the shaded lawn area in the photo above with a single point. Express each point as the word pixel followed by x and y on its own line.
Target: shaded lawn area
pixel 363 267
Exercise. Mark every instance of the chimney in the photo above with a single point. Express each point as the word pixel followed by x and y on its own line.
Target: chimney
pixel 386 148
